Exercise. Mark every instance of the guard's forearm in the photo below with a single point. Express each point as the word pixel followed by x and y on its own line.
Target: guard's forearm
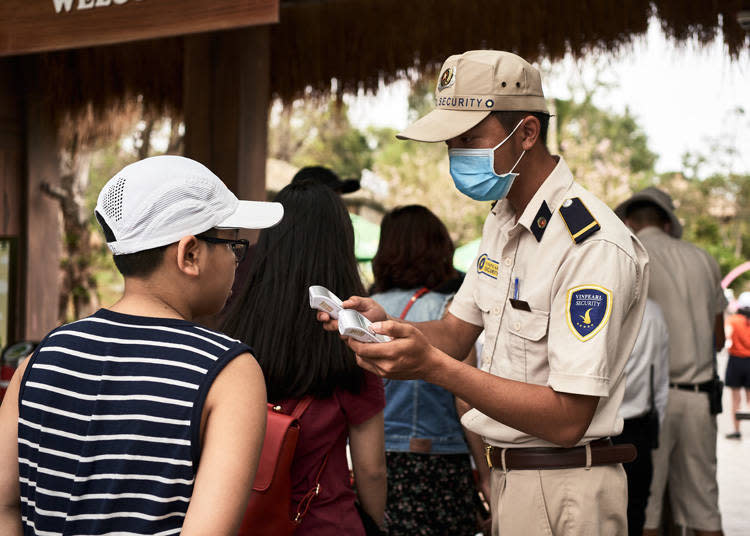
pixel 476 448
pixel 443 336
pixel 537 410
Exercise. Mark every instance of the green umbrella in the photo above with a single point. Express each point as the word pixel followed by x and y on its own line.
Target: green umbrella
pixel 366 238
pixel 464 256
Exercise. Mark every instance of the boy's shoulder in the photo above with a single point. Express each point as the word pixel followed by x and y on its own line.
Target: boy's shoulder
pixel 106 325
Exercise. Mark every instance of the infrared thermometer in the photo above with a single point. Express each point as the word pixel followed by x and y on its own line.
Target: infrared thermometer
pixel 353 324
pixel 324 300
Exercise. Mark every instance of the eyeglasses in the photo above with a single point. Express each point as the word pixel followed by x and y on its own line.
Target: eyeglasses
pixel 238 246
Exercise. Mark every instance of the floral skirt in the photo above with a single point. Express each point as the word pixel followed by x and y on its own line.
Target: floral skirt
pixel 430 494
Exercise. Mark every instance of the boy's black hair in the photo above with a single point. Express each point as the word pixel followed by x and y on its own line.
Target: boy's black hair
pixel 509 120
pixel 312 245
pixel 139 264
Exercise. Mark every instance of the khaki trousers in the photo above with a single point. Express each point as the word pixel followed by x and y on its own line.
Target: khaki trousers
pixel 686 458
pixel 560 502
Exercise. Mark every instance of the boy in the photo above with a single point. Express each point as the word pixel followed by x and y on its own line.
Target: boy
pixel 135 420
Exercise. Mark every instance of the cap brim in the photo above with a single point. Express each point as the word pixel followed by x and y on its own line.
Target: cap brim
pixel 622 209
pixel 442 125
pixel 254 215
pixel 348 186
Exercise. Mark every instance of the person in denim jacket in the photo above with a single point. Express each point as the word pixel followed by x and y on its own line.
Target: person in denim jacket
pixel 430 487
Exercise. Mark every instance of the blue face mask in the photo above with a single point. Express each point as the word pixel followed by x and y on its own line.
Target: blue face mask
pixel 473 172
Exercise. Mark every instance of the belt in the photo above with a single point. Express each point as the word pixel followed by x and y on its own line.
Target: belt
pixel 598 452
pixel 704 387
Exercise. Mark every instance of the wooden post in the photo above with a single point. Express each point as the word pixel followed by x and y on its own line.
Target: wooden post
pixel 12 195
pixel 226 100
pixel 43 247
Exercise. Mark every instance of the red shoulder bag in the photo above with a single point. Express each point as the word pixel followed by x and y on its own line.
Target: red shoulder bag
pixel 269 509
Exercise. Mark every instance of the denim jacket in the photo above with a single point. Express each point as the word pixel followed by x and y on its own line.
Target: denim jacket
pixel 419 416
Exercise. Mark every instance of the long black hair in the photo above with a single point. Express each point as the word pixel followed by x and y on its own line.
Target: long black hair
pixel 313 245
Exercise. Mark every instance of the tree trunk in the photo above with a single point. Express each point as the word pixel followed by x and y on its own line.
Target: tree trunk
pixel 78 288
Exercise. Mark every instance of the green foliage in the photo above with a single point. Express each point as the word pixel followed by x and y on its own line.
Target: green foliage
pixel 105 163
pixel 715 212
pixel 607 152
pixel 308 133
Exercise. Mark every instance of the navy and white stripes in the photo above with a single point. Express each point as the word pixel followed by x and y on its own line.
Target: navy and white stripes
pixel 108 434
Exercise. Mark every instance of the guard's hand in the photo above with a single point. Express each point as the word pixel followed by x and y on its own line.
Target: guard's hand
pixel 408 356
pixel 368 307
pixel 329 323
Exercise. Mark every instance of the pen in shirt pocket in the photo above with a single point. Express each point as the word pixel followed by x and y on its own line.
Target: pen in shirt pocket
pixel 515 289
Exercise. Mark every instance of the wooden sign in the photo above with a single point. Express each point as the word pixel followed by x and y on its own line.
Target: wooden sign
pixel 39 25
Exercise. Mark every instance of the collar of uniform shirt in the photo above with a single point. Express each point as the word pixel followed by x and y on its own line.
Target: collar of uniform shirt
pixel 553 190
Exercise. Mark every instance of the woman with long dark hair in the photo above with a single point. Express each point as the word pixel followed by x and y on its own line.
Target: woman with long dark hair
pixel 430 486
pixel 314 245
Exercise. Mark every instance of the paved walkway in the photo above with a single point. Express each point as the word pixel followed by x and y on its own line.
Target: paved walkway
pixel 733 468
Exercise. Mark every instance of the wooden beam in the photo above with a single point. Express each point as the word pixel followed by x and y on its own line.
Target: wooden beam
pixel 11 148
pixel 41 25
pixel 12 196
pixel 43 247
pixel 226 99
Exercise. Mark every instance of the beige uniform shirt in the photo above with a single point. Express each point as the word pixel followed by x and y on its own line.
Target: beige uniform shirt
pixel 686 283
pixel 575 315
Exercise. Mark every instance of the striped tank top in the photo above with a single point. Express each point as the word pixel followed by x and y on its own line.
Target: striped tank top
pixel 109 420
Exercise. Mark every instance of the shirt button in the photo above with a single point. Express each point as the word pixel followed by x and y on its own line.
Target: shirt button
pixel 496 310
pixel 507 261
pixel 517 326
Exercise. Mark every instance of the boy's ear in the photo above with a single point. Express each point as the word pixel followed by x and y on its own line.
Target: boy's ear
pixel 188 255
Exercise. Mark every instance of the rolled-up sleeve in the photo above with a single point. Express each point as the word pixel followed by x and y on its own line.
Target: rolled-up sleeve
pixel 464 306
pixel 593 292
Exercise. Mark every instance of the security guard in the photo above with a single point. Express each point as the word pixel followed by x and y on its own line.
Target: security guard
pixel 686 283
pixel 559 286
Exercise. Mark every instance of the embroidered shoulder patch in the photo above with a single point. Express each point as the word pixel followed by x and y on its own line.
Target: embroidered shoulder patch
pixel 487 266
pixel 587 310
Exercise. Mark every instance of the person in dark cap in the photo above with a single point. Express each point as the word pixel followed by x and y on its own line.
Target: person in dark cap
pixel 323 175
pixel 686 284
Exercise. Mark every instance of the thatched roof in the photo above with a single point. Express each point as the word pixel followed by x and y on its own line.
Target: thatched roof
pixel 361 43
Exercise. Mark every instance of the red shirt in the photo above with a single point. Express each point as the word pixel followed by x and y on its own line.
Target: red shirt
pixel 325 428
pixel 740 346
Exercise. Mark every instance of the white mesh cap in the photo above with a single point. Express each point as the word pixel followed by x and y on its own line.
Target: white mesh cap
pixel 159 200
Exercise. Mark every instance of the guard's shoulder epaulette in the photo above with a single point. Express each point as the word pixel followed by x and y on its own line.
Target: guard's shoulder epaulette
pixel 581 224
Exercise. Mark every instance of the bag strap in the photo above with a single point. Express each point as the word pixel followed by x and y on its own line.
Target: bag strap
pixel 301 406
pixel 418 294
pixel 304 504
pixel 651 385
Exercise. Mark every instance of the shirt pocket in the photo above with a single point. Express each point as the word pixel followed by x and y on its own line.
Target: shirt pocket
pixel 526 341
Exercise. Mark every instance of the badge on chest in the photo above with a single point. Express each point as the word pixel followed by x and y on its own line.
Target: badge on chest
pixel 587 310
pixel 487 266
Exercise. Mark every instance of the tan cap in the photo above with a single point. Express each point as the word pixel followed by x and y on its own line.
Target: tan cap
pixel 473 84
pixel 657 197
